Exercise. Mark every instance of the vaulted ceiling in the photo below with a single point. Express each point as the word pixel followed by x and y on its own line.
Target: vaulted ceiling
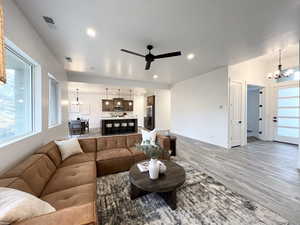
pixel 218 32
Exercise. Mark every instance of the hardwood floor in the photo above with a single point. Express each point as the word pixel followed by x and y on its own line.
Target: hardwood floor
pixel 262 171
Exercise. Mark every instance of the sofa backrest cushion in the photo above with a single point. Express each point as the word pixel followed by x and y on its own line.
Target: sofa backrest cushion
pixel 34 171
pixel 16 183
pixel 105 143
pixel 88 144
pixel 133 139
pixel 52 151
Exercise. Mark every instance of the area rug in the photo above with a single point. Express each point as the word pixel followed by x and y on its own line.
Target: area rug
pixel 201 200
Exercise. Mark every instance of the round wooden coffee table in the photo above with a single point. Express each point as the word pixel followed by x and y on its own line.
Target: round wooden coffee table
pixel 165 185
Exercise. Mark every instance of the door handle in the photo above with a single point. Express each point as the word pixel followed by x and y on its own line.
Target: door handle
pixel 275 121
pixel 240 122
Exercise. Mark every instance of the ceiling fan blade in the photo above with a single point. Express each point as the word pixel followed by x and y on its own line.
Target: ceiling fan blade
pixel 171 54
pixel 148 64
pixel 134 53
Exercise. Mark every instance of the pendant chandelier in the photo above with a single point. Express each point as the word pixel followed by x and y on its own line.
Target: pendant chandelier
pixel 279 73
pixel 77 97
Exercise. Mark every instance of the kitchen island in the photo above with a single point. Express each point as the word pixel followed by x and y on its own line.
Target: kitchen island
pixel 118 125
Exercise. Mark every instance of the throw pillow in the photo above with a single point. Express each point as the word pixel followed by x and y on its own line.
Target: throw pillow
pixel 18 205
pixel 69 147
pixel 149 136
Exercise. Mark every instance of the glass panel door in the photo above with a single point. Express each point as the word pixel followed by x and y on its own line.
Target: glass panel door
pixel 286 121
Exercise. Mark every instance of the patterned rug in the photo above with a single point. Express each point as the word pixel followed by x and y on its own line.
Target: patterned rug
pixel 201 200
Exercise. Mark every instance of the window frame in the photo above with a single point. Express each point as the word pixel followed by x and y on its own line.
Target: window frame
pixel 35 81
pixel 58 90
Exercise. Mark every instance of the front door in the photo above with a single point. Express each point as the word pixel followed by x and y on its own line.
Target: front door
pixel 286 116
pixel 236 113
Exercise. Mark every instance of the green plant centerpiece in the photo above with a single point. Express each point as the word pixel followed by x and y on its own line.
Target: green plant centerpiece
pixel 152 151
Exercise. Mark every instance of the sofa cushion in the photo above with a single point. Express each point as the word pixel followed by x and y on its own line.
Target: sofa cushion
pixel 16 183
pixel 79 195
pixel 52 151
pixel 79 158
pixel 105 143
pixel 17 205
pixel 88 144
pixel 137 155
pixel 133 139
pixel 113 153
pixel 149 136
pixel 69 147
pixel 113 161
pixel 35 171
pixel 71 176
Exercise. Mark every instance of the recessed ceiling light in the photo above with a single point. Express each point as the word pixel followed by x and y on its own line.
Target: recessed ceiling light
pixel 91 32
pixel 68 59
pixel 155 76
pixel 190 56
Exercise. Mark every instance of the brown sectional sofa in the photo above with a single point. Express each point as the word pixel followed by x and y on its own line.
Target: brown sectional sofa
pixel 70 185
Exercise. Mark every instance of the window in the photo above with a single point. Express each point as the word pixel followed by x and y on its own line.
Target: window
pixel 16 98
pixel 54 108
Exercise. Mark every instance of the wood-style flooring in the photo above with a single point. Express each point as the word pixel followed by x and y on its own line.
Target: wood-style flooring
pixel 262 171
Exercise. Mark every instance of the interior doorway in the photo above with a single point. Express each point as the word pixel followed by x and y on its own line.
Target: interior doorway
pixel 254 112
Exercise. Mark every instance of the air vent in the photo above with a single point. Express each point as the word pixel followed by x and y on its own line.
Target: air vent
pixel 68 59
pixel 49 20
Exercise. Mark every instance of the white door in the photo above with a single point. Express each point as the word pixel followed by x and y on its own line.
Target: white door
pixel 236 113
pixel 286 117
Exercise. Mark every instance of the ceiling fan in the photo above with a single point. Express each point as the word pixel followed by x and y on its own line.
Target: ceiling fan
pixel 150 58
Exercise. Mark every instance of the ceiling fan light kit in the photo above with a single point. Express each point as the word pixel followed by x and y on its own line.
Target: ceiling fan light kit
pixel 149 58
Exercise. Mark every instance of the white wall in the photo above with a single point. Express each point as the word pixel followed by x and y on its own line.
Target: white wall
pixel 199 107
pixel 253 112
pixel 22 34
pixel 139 109
pixel 162 109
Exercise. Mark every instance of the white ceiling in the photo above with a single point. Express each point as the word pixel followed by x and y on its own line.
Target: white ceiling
pixel 218 32
pixel 101 89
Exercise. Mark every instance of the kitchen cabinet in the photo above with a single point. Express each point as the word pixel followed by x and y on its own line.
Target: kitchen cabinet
pixel 107 105
pixel 117 105
pixel 128 105
pixel 150 100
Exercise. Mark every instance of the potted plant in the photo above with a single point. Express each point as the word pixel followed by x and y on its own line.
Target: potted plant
pixel 152 151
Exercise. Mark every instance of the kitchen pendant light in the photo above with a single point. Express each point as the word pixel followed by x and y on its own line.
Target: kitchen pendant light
pixel 106 102
pixel 119 102
pixel 77 97
pixel 130 103
pixel 279 73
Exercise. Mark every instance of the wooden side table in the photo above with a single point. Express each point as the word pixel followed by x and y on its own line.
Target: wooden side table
pixel 173 145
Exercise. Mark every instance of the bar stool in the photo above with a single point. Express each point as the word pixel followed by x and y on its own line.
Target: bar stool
pixel 116 128
pixel 108 128
pixel 131 126
pixel 124 127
